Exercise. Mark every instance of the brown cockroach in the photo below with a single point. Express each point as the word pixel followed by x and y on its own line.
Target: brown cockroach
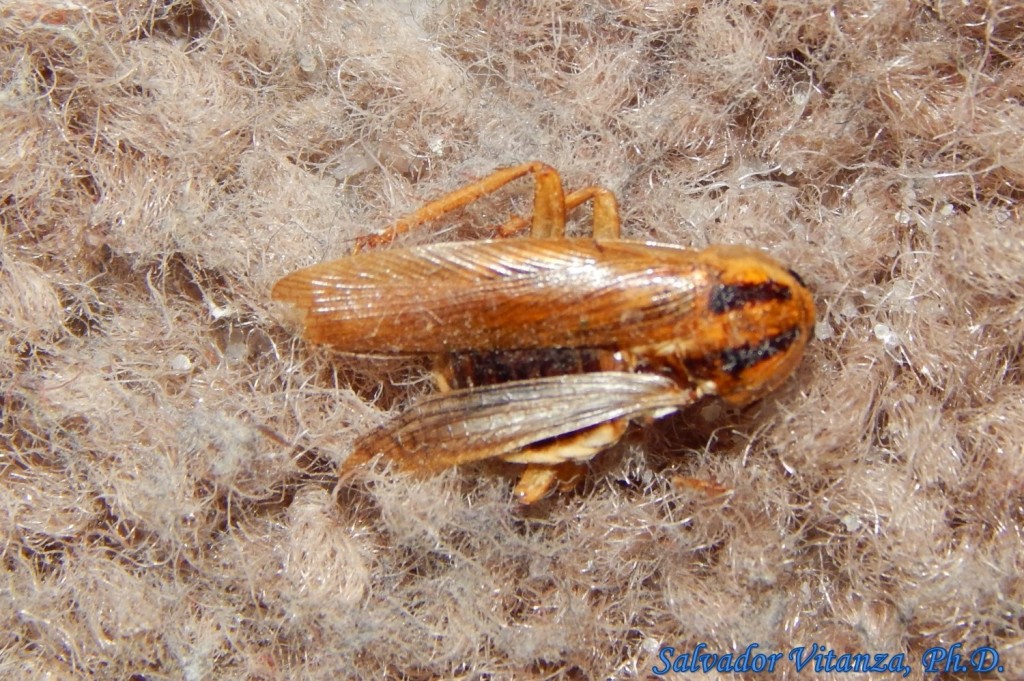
pixel 547 347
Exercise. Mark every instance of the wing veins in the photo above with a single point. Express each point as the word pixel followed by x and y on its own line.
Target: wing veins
pixel 469 425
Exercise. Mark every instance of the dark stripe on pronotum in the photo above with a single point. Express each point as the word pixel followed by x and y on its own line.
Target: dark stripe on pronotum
pixel 734 296
pixel 735 360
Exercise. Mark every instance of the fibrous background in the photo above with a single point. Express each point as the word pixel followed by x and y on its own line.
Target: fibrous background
pixel 168 444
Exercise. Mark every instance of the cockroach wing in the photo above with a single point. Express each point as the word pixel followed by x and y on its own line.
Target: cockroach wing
pixel 447 429
pixel 494 295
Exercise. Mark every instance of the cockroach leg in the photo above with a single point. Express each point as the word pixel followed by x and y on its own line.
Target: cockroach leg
pixel 548 204
pixel 606 224
pixel 556 462
pixel 537 480
pixel 710 488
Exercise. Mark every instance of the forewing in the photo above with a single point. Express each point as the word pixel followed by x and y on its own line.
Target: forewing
pixel 504 294
pixel 446 429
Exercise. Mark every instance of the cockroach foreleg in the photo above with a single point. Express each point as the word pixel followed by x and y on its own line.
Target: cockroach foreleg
pixel 548 204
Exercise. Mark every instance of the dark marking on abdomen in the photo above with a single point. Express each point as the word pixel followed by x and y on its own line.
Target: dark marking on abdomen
pixel 491 367
pixel 725 297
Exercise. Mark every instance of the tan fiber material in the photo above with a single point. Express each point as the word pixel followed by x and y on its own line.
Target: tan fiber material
pixel 168 445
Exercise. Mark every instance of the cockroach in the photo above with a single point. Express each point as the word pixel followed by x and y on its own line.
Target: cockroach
pixel 547 347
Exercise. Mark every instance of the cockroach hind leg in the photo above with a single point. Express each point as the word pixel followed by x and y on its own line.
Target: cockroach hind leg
pixel 557 461
pixel 579 446
pixel 345 474
pixel 538 480
pixel 548 204
pixel 709 488
pixel 535 483
pixel 606 223
pixel 360 455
